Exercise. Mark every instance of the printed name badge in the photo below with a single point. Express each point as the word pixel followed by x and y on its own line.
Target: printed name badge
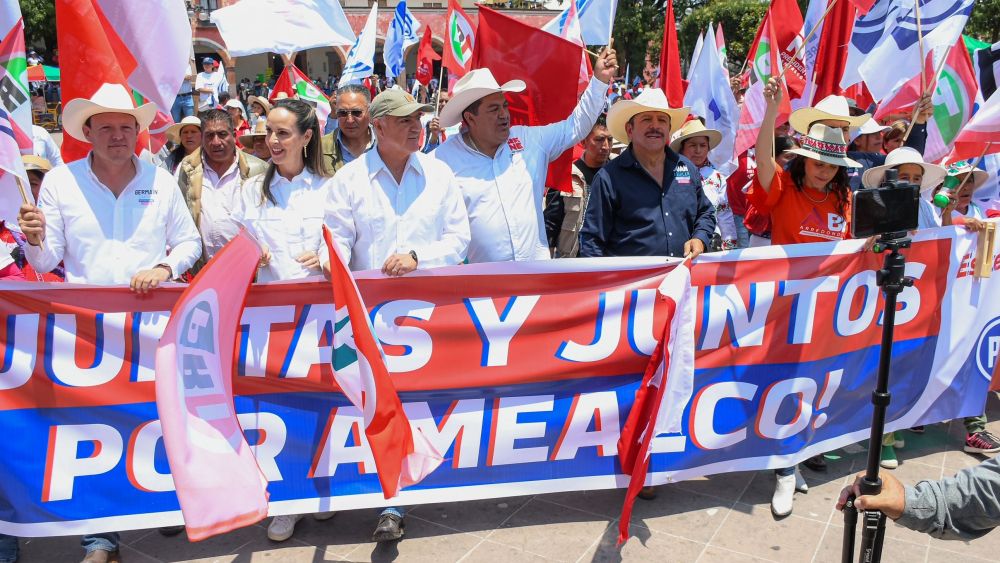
pixel 145 196
pixel 682 175
pixel 515 144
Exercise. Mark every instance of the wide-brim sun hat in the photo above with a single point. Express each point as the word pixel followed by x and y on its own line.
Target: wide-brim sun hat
pixel 109 98
pixel 260 100
pixel 174 131
pixel 651 99
pixel 831 107
pixel 933 174
pixel 691 129
pixel 474 86
pixel 825 144
pixel 259 130
pixel 979 177
pixel 37 163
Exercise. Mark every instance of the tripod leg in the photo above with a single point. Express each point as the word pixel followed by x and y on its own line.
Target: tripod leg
pixel 872 535
pixel 850 528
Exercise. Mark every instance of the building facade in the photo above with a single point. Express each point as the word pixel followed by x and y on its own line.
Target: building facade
pixel 322 62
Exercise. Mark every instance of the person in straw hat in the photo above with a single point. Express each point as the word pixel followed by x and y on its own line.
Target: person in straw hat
pixel 110 217
pixel 694 141
pixel 13 239
pixel 187 136
pixel 502 169
pixel 648 201
pixel 258 106
pixel 970 183
pixel 255 142
pixel 910 166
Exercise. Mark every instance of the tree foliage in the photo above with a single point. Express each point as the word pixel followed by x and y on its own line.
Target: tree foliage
pixel 984 23
pixel 739 20
pixel 39 22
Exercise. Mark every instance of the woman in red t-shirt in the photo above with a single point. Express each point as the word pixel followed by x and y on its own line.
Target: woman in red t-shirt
pixel 810 201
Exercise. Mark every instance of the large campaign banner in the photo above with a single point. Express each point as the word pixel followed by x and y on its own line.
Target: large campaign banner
pixel 522 373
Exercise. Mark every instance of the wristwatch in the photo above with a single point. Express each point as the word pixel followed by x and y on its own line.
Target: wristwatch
pixel 413 254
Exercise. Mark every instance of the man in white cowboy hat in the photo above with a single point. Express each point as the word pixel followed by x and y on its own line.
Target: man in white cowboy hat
pixel 648 201
pixel 208 84
pixel 110 217
pixel 695 141
pixel 835 111
pixel 211 178
pixel 502 169
pixel 868 137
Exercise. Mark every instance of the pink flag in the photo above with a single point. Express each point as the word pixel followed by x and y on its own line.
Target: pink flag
pixel 981 135
pixel 402 456
pixel 218 483
pixel 665 389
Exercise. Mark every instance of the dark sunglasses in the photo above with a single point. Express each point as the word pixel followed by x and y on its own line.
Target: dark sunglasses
pixel 355 113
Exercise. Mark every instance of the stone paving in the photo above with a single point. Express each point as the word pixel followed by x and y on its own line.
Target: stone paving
pixel 721 518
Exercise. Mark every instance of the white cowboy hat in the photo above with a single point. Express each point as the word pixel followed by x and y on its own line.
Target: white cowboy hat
pixel 825 144
pixel 651 99
pixel 260 100
pixel 109 98
pixel 475 85
pixel 174 131
pixel 694 128
pixel 830 107
pixel 871 126
pixel 979 177
pixel 259 130
pixel 933 174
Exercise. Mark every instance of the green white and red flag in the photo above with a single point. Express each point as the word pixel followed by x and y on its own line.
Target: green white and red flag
pixel 764 65
pixel 296 83
pixel 459 40
pixel 15 98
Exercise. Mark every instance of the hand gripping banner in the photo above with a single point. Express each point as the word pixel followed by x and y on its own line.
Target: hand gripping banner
pixel 522 375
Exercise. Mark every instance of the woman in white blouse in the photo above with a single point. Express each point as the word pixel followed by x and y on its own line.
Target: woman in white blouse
pixel 283 207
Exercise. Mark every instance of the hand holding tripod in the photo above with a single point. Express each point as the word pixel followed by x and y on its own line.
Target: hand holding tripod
pixel 892 279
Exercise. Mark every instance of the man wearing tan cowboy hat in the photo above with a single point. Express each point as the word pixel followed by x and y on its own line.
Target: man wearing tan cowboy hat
pixel 502 169
pixel 648 201
pixel 211 178
pixel 835 111
pixel 110 217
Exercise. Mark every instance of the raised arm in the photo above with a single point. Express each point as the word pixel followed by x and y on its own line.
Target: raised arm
pixel 766 166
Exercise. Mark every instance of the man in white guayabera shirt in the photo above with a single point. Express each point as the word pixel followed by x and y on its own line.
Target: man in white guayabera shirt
pixel 110 217
pixel 502 169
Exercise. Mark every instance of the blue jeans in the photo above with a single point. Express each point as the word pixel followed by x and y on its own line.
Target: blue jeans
pixel 183 107
pixel 395 510
pixel 8 548
pixel 784 471
pixel 93 542
pixel 742 234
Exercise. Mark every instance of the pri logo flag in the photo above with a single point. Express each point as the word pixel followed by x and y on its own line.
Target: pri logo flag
pixel 887 37
pixel 403 456
pixel 14 99
pixel 361 58
pixel 765 64
pixel 460 40
pixel 665 389
pixel 403 32
pixel 219 484
pixel 294 82
pixel 981 133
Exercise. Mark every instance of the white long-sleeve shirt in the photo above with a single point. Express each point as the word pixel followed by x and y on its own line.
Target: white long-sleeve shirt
pixel 289 228
pixel 45 146
pixel 504 194
pixel 372 217
pixel 103 239
pixel 219 197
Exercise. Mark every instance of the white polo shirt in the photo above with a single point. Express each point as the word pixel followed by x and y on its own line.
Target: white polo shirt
pixel 103 239
pixel 504 194
pixel 372 217
pixel 289 228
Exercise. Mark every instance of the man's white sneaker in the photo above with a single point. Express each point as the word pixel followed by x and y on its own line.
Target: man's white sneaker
pixel 282 527
pixel 320 516
pixel 800 481
pixel 784 490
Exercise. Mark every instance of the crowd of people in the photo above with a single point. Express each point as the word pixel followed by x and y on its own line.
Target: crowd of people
pixel 407 181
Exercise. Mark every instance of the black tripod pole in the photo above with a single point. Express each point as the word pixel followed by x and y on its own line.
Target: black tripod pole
pixel 892 279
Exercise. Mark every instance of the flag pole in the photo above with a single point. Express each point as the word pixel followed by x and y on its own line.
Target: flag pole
pixel 930 88
pixel 974 165
pixel 437 102
pixel 920 45
pixel 24 199
pixel 812 32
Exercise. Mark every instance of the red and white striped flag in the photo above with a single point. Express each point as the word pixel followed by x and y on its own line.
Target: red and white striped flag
pixel 665 389
pixel 219 484
pixel 403 456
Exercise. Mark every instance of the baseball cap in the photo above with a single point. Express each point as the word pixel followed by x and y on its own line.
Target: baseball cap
pixel 396 103
pixel 208 60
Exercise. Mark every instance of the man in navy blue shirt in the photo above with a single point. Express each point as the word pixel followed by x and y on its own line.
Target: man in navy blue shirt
pixel 649 200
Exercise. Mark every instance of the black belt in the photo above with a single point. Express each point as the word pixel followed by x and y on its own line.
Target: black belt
pixel 185 94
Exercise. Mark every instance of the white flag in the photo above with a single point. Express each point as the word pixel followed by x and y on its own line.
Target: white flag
pixel 361 59
pixel 403 32
pixel 698 46
pixel 261 26
pixel 710 96
pixel 596 20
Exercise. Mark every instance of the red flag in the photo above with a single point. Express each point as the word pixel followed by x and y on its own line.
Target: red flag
pixel 92 54
pixel 219 484
pixel 425 58
pixel 863 6
pixel 831 57
pixel 981 133
pixel 785 18
pixel 515 50
pixel 665 389
pixel 766 64
pixel 671 81
pixel 459 40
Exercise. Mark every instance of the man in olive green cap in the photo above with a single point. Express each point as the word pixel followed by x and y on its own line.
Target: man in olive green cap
pixel 397 209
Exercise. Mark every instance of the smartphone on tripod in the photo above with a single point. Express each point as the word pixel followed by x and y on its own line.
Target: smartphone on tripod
pixel 890 212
